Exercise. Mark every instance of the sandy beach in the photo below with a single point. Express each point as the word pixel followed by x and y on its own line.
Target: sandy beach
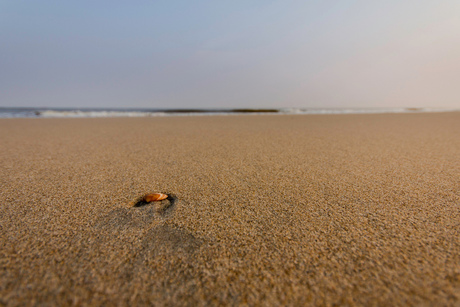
pixel 263 210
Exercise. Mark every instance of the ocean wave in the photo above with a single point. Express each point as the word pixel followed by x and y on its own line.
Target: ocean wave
pixel 79 113
pixel 89 113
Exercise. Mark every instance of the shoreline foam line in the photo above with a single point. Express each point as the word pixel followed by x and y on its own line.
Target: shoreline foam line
pixel 112 112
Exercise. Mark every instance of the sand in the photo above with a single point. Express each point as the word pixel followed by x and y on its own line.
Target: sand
pixel 264 210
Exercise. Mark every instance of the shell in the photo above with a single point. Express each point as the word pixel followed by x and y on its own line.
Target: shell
pixel 155 197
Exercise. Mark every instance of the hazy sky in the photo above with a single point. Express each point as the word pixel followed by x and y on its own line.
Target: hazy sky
pixel 224 54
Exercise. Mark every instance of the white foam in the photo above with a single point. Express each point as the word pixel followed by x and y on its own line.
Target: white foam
pixel 79 113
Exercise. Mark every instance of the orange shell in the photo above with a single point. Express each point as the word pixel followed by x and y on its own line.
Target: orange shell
pixel 155 196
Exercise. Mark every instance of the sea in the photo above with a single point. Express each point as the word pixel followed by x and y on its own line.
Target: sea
pixel 137 112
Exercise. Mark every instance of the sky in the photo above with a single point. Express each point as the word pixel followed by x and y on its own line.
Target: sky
pixel 230 54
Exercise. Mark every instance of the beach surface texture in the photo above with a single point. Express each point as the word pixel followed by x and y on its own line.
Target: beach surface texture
pixel 261 210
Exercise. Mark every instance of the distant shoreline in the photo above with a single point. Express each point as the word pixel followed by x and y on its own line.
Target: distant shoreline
pixel 10 112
